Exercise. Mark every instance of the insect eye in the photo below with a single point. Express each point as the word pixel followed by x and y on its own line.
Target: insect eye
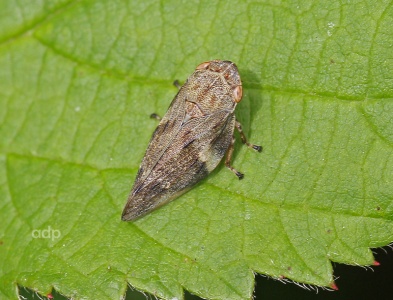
pixel 203 66
pixel 238 93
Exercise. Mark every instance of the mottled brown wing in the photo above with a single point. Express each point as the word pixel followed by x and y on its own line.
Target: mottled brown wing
pixel 190 152
pixel 169 127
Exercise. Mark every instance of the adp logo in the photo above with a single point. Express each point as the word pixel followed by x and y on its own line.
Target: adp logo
pixel 48 233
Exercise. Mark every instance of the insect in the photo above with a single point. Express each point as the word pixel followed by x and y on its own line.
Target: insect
pixel 191 139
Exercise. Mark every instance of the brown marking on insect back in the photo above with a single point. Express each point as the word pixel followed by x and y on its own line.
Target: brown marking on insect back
pixel 193 110
pixel 195 88
pixel 212 100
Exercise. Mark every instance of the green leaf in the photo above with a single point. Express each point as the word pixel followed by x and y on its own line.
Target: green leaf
pixel 78 81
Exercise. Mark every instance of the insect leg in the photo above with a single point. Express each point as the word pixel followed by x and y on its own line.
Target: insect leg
pixel 155 116
pixel 244 139
pixel 228 159
pixel 177 84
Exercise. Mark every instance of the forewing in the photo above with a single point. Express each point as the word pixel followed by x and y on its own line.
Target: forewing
pixel 166 131
pixel 190 155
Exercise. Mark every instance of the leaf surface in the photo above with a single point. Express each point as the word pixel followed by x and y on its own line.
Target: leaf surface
pixel 78 81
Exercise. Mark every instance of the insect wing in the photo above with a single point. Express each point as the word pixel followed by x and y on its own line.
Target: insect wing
pixel 192 150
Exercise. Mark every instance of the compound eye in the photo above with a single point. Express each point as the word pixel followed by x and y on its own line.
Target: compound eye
pixel 238 93
pixel 203 66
